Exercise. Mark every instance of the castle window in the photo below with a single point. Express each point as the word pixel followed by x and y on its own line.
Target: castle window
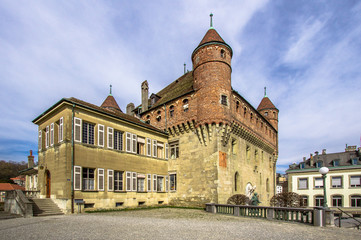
pixel 185 105
pixel 223 53
pixel 118 140
pixel 88 179
pixel 148 119
pixel 256 154
pixel 245 112
pixel 172 181
pixel 171 111
pixel 237 106
pixel 234 142
pixel 236 177
pixel 266 114
pixel 248 153
pixel 88 133
pixel 224 100
pixel 159 117
pixel 118 181
pixel 261 125
pixel 274 114
pixel 251 117
pixel 267 185
pixel 174 150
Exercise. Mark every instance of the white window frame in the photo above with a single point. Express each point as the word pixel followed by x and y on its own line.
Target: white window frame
pixel 149 147
pixel 100 135
pixel 318 182
pixel 134 143
pixel 128 142
pixel 110 137
pixel 52 134
pixel 110 180
pixel 79 127
pixel 134 181
pixel 356 183
pixel 154 182
pixel 175 182
pixel 155 148
pixel 40 140
pixel 128 179
pixel 47 136
pixel 166 151
pixel 61 130
pixel 100 179
pixel 166 183
pixel 77 173
pixel 149 182
pixel 298 183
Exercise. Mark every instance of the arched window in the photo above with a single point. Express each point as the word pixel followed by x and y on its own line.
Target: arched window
pixel 267 185
pixel 236 178
pixel 356 201
pixel 319 201
pixel 304 201
pixel 244 112
pixel 185 105
pixel 237 106
pixel 223 53
pixel 148 119
pixel 159 117
pixel 337 201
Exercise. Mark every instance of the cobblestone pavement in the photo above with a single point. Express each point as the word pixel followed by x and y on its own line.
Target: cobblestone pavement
pixel 165 223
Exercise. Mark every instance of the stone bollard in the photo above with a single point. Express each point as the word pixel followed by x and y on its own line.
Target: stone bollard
pixel 236 211
pixel 270 213
pixel 330 217
pixel 319 218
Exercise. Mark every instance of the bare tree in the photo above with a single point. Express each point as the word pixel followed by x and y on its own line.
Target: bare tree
pixel 238 199
pixel 287 199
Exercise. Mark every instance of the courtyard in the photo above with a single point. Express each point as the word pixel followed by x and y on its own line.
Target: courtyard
pixel 163 223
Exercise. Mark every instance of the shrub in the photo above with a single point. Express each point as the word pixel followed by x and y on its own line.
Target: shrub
pixel 287 199
pixel 238 199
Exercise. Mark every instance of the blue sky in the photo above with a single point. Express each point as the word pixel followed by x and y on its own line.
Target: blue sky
pixel 307 53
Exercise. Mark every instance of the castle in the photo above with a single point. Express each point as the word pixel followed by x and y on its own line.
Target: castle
pixel 194 142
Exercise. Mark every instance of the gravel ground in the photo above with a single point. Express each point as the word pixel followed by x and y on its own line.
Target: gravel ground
pixel 165 223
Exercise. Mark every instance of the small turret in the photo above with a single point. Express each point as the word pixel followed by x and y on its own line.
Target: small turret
pixel 145 96
pixel 110 103
pixel 268 110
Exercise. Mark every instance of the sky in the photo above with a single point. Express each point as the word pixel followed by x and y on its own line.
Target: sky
pixel 307 54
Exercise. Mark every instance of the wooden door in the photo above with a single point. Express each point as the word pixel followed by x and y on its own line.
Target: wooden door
pixel 47 184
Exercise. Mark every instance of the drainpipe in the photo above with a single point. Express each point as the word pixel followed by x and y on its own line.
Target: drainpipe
pixel 72 160
pixel 165 110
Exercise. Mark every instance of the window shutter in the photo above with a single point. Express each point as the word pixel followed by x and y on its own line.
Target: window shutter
pixel 52 134
pixel 110 180
pixel 77 178
pixel 134 143
pixel 318 182
pixel 129 181
pixel 40 142
pixel 61 127
pixel 336 181
pixel 166 151
pixel 149 183
pixel 166 183
pixel 149 149
pixel 154 182
pixel 154 148
pixel 134 181
pixel 47 137
pixel 128 142
pixel 77 129
pixel 100 135
pixel 100 179
pixel 110 137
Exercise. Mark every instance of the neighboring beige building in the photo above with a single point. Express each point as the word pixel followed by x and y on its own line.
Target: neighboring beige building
pixel 31 175
pixel 343 181
pixel 194 142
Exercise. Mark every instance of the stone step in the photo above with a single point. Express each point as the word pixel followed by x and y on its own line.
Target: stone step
pixel 45 207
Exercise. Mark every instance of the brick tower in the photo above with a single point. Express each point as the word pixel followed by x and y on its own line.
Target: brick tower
pixel 268 110
pixel 212 78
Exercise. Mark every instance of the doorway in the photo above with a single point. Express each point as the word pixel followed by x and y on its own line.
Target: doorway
pixel 47 179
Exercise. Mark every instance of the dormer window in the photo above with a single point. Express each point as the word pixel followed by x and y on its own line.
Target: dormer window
pixel 302 165
pixel 336 163
pixel 159 117
pixel 185 105
pixel 266 114
pixel 148 119
pixel 354 161
pixel 171 111
pixel 319 164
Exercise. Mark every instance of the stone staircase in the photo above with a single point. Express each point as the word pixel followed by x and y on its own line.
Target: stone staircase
pixel 45 207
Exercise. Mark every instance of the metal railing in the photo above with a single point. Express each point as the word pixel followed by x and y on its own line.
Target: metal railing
pixel 355 225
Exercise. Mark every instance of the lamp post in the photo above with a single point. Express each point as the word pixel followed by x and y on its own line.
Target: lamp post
pixel 324 171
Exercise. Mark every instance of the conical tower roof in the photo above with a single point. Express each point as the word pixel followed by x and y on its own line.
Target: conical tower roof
pixel 211 36
pixel 110 103
pixel 266 104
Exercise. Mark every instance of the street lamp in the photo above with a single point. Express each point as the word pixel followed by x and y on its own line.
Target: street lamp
pixel 324 171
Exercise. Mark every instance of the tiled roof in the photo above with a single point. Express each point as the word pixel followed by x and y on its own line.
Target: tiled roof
pixel 266 104
pixel 22 178
pixel 178 88
pixel 211 36
pixel 116 114
pixel 110 103
pixel 10 187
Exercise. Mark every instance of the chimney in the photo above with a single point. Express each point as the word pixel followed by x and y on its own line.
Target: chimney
pixel 316 153
pixel 323 151
pixel 130 108
pixel 145 89
pixel 31 160
pixel 304 159
pixel 311 160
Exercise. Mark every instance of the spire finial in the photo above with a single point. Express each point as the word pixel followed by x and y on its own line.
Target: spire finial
pixel 265 93
pixel 211 15
pixel 185 67
pixel 110 93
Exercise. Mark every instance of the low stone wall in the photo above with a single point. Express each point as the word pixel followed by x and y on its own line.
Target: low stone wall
pixel 17 203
